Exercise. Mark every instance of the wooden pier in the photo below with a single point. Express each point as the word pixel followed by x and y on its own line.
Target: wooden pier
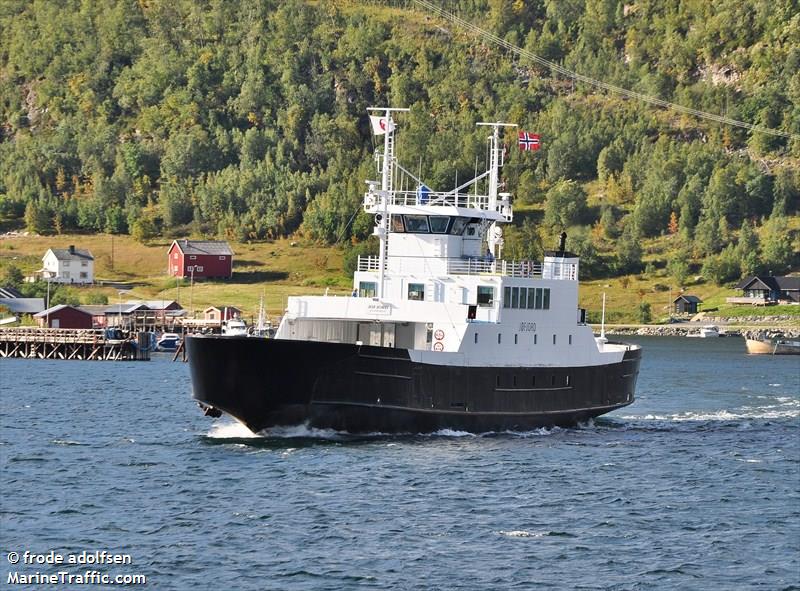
pixel 66 343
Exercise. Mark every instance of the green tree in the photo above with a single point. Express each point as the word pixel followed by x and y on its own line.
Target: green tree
pixel 678 268
pixel 778 253
pixel 629 250
pixel 645 313
pixel 12 277
pixel 748 250
pixel 566 205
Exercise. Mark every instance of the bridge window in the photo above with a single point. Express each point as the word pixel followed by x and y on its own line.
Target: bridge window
pixel 417 223
pixel 546 299
pixel 523 297
pixel 367 289
pixel 531 297
pixel 458 226
pixel 416 291
pixel 515 297
pixel 439 223
pixel 485 295
pixel 538 305
pixel 506 297
pixel 397 224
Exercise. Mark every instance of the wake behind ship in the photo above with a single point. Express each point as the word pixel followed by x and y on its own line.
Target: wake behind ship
pixel 440 331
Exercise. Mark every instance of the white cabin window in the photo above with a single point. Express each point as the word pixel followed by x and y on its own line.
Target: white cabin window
pixel 192 257
pixel 66 274
pixel 174 255
pixel 84 275
pixel 367 289
pixel 416 291
pixel 66 263
pixel 84 263
pixel 198 268
pixel 222 258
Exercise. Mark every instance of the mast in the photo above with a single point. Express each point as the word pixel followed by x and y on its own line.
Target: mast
pixel 382 229
pixel 494 237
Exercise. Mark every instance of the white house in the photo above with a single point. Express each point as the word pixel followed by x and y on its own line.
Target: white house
pixel 68 265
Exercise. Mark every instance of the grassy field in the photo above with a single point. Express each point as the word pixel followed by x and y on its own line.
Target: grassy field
pixel 275 269
pixel 284 267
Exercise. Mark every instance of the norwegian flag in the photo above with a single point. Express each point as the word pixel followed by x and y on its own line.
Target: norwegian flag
pixel 529 141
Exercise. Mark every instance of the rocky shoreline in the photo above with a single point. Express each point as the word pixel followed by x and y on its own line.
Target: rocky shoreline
pixel 755 327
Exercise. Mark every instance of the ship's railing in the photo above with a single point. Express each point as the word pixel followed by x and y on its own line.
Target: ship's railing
pixel 484 266
pixel 369 263
pixel 414 198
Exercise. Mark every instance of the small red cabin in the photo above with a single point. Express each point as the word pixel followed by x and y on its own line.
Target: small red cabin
pixel 200 259
pixel 63 316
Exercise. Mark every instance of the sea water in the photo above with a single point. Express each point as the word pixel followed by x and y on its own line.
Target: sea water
pixel 694 486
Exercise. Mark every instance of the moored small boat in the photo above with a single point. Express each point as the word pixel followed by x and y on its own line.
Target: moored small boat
pixel 705 332
pixel 774 346
pixel 168 341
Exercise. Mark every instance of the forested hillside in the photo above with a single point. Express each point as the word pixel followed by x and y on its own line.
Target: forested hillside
pixel 247 119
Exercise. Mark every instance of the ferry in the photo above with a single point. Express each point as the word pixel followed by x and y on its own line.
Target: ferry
pixel 440 331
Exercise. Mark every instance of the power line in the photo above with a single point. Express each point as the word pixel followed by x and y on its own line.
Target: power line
pixel 597 83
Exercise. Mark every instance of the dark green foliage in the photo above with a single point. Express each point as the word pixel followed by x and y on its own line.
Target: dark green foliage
pixel 351 254
pixel 724 267
pixel 247 120
pixel 678 268
pixel 12 277
pixel 645 314
pixel 629 251
pixel 778 254
pixel 566 205
pixel 580 243
pixel 523 242
pixel 97 298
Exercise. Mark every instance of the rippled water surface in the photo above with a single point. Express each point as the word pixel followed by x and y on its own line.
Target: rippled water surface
pixel 694 486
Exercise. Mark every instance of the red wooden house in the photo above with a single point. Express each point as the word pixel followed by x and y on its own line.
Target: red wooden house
pixel 63 316
pixel 200 259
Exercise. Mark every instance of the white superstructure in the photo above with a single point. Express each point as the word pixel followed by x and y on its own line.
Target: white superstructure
pixel 440 288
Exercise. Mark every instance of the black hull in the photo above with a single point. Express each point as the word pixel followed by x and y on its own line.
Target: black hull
pixel 271 382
